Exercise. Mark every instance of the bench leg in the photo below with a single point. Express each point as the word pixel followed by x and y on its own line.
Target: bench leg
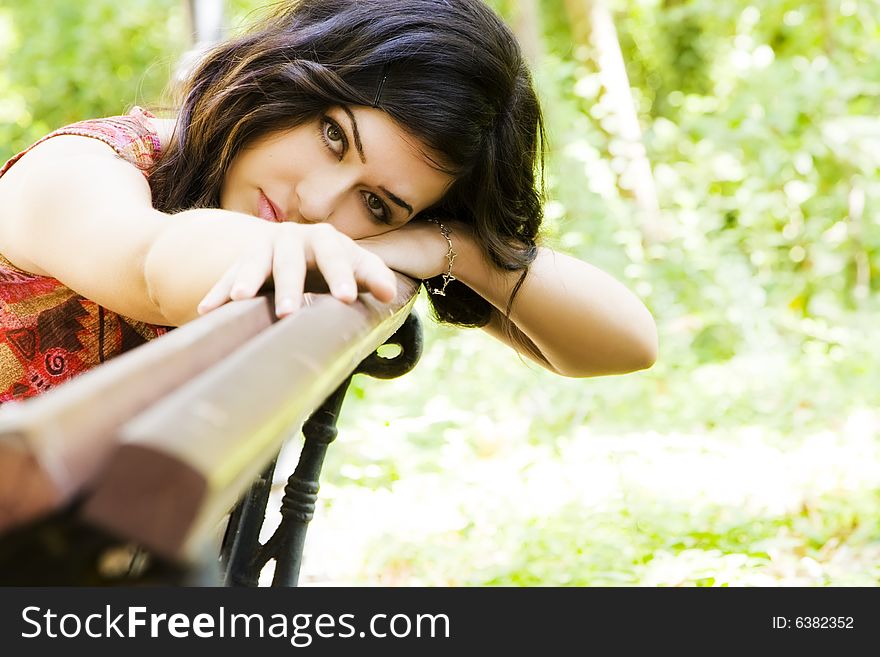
pixel 301 492
pixel 242 554
pixel 241 543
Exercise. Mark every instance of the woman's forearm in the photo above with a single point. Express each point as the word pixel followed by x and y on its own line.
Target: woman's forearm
pixel 582 321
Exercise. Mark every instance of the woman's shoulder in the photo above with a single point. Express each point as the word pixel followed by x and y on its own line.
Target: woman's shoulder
pixel 162 128
pixel 137 137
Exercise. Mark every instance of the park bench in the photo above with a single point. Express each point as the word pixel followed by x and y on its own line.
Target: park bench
pixel 157 466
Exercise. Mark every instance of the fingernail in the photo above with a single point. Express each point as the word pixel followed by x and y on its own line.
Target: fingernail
pixel 284 307
pixel 346 291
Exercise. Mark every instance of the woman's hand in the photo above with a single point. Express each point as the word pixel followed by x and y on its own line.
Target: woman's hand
pixel 287 252
pixel 417 249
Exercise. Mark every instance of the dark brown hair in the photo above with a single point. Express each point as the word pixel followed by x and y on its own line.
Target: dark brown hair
pixel 454 78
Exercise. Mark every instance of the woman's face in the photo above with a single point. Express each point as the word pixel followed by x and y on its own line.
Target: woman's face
pixel 353 168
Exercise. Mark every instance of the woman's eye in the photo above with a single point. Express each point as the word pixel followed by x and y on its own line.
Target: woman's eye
pixel 334 137
pixel 377 208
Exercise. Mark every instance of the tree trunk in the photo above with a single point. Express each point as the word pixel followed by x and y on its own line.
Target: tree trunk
pixel 526 24
pixel 206 23
pixel 592 23
pixel 861 259
pixel 206 20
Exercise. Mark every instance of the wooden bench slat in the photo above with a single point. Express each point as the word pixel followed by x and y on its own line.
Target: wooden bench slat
pixel 52 445
pixel 183 463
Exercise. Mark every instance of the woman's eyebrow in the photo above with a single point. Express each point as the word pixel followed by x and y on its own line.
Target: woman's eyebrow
pixel 360 149
pixel 357 135
pixel 406 206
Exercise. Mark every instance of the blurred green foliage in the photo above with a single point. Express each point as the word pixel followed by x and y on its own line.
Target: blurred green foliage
pixel 63 61
pixel 760 121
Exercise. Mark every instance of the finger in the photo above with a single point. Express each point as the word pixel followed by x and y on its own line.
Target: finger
pixel 289 273
pixel 253 270
pixel 333 260
pixel 219 293
pixel 374 275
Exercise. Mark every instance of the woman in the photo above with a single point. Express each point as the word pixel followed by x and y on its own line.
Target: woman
pixel 347 138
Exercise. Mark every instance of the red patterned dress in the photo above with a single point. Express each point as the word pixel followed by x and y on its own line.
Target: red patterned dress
pixel 48 333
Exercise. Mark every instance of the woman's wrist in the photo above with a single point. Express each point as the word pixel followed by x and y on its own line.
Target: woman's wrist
pixel 470 265
pixel 446 276
pixel 417 249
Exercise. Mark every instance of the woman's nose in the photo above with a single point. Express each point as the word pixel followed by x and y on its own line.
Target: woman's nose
pixel 318 198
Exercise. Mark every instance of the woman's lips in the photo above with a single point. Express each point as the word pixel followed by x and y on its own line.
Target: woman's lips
pixel 268 210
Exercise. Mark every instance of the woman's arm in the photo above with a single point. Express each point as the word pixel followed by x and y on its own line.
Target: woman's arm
pixel 582 321
pixel 73 210
pixel 569 316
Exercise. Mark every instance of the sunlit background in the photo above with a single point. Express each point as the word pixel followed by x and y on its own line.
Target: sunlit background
pixel 721 158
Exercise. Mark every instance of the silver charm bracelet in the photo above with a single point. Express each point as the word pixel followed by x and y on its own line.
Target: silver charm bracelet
pixel 450 258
